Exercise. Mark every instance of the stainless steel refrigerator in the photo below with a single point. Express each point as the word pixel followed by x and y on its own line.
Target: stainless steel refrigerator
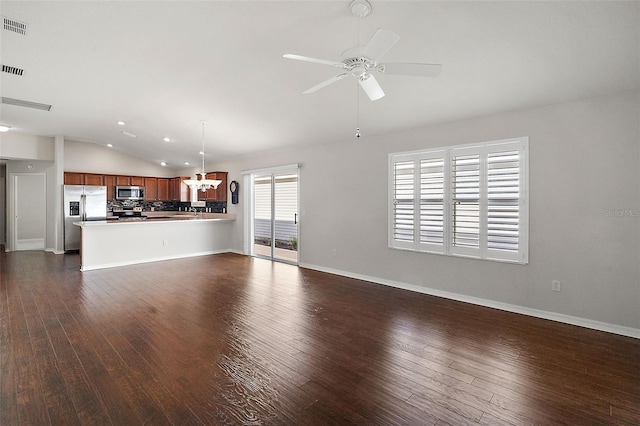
pixel 82 203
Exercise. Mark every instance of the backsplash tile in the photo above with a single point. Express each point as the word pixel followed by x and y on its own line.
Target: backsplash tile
pixel 214 206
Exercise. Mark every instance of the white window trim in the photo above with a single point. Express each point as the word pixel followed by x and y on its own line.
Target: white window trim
pixel 482 252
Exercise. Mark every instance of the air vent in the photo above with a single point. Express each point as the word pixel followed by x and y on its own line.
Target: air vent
pixel 12 70
pixel 26 104
pixel 15 26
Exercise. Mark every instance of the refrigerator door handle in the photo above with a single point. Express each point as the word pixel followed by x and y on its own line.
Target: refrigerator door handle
pixel 83 207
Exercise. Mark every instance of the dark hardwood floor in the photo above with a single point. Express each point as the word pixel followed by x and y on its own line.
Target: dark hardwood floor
pixel 228 339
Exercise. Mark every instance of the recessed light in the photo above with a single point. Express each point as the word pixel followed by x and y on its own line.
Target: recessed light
pixel 167 139
pixel 201 152
pixel 121 123
pixel 4 128
pixel 131 135
pixel 109 145
pixel 163 163
pixel 186 163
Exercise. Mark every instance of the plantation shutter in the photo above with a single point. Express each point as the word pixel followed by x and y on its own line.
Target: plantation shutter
pixel 432 203
pixel 504 204
pixel 403 209
pixel 465 202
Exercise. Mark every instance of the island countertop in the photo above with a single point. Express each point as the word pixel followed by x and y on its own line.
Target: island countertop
pixel 161 236
pixel 159 217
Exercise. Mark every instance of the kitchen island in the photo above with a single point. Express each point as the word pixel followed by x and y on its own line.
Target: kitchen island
pixel 160 236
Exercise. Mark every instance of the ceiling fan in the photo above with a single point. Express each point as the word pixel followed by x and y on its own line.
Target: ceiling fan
pixel 362 61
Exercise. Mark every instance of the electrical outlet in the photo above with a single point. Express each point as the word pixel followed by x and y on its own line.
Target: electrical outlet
pixel 165 242
pixel 556 285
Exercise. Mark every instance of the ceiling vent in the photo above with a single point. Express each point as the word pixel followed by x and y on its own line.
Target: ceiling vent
pixel 12 70
pixel 15 26
pixel 26 104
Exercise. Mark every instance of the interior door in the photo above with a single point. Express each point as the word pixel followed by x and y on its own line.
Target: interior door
pixel 275 216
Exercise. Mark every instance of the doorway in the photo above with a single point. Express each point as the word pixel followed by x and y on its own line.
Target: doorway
pixel 3 206
pixel 29 211
pixel 275 215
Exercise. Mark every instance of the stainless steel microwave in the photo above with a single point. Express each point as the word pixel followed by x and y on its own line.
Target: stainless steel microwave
pixel 129 192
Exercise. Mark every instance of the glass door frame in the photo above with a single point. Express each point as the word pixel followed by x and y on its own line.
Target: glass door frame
pixel 249 177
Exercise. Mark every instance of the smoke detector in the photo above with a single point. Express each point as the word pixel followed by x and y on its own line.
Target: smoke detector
pixel 360 8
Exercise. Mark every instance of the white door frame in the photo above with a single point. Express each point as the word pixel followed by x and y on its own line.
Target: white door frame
pixel 36 243
pixel 3 209
pixel 248 181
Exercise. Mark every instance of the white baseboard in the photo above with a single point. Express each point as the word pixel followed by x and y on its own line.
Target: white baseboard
pixel 156 259
pixel 30 244
pixel 553 316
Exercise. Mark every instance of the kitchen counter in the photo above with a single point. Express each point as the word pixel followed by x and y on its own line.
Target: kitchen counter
pixel 150 217
pixel 161 236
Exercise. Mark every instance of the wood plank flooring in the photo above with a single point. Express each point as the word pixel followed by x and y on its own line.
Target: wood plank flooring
pixel 229 339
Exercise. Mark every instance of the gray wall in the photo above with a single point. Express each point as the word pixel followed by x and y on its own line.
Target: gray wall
pixel 584 171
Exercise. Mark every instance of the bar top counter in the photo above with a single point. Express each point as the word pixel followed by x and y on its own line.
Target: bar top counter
pixel 159 216
pixel 158 236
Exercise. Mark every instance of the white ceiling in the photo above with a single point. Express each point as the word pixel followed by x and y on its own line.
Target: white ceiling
pixel 163 66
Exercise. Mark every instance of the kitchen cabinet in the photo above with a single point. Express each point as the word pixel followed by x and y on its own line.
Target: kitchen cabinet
pixel 150 189
pixel 71 178
pixel 93 179
pixel 74 178
pixel 156 188
pixel 219 194
pixel 110 183
pixel 178 190
pixel 163 189
pixel 123 180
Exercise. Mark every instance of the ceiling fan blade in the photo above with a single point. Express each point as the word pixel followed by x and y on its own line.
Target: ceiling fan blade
pixel 325 83
pixel 427 70
pixel 381 41
pixel 315 60
pixel 370 86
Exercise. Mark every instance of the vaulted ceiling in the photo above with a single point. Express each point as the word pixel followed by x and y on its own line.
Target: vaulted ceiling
pixel 164 66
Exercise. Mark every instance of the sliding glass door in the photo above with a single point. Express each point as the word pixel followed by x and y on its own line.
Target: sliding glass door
pixel 275 215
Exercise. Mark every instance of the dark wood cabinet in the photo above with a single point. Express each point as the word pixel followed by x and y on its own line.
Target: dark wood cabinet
pixel 74 178
pixel 156 189
pixel 178 190
pixel 71 178
pixel 150 189
pixel 163 189
pixel 123 180
pixel 218 194
pixel 221 191
pixel 110 183
pixel 93 179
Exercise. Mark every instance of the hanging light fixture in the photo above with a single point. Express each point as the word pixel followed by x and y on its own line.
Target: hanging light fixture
pixel 203 183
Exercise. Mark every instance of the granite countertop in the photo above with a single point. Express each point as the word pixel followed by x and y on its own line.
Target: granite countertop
pixel 162 216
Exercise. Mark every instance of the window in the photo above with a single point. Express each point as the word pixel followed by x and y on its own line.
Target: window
pixel 468 200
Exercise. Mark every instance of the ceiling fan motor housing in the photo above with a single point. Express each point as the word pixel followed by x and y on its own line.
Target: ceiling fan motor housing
pixel 360 8
pixel 358 66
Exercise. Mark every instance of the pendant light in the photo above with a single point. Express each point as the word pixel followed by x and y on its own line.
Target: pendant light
pixel 202 184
